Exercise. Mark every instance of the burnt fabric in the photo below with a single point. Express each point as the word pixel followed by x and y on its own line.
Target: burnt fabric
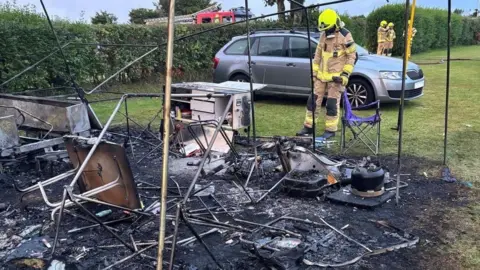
pixel 335 56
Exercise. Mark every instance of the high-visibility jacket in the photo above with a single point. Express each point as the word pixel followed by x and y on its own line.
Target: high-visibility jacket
pixel 414 32
pixel 382 34
pixel 334 55
pixel 391 36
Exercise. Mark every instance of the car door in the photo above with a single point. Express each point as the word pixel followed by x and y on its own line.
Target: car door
pixel 268 62
pixel 298 65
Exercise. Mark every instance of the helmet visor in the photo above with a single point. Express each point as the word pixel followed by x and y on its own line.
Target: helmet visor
pixel 323 26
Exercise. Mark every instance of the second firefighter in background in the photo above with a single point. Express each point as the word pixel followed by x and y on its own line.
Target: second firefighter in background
pixel 390 40
pixel 334 60
pixel 381 37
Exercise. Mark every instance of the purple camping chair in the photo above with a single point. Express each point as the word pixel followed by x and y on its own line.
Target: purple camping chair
pixel 361 127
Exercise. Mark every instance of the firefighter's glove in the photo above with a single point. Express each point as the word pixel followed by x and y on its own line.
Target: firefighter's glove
pixel 344 76
pixel 342 79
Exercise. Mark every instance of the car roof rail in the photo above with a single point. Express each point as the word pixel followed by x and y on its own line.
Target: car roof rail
pixel 296 30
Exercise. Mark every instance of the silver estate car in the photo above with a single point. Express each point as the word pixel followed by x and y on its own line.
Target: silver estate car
pixel 280 59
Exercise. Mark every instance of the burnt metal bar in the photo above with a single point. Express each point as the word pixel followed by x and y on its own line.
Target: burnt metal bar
pixel 22 112
pixel 33 65
pixel 80 92
pixel 254 165
pixel 192 239
pixel 221 206
pixel 222 224
pixel 74 230
pixel 269 227
pixel 59 220
pixel 127 139
pixel 328 225
pixel 129 257
pixel 402 101
pixel 206 207
pixel 112 205
pixel 447 93
pixel 199 238
pixel 207 153
pixel 114 45
pixel 270 190
pixel 175 235
pixel 243 188
pixel 69 190
pixel 120 70
pixel 252 95
pixel 312 87
pixel 140 126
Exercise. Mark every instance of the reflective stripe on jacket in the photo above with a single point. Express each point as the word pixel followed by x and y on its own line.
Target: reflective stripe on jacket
pixel 334 56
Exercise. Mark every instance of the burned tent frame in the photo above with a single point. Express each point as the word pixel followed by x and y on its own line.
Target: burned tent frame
pixel 81 93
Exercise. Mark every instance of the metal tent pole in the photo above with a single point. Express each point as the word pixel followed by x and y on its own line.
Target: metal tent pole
pixel 79 91
pixel 447 95
pixel 252 94
pixel 312 88
pixel 166 130
pixel 402 98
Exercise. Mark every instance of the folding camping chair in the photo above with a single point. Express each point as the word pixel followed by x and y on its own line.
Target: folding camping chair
pixel 361 127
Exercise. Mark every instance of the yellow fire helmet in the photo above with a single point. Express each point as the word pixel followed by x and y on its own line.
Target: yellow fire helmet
pixel 328 19
pixel 383 23
pixel 391 25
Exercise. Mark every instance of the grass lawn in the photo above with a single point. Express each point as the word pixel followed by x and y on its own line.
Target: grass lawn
pixel 424 117
pixel 423 129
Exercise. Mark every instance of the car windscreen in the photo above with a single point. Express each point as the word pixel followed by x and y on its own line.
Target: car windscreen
pixel 361 50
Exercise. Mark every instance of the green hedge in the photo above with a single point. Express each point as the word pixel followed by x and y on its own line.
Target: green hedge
pixel 26 38
pixel 356 25
pixel 430 23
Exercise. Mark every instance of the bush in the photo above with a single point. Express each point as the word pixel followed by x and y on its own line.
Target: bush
pixel 431 25
pixel 27 39
pixel 356 25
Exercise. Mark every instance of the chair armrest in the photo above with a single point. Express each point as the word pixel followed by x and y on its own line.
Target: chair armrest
pixel 362 107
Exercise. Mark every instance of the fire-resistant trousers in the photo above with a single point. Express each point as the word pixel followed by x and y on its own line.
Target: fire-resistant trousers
pixel 334 94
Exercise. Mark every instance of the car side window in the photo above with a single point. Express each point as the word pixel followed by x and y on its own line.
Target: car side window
pixel 271 46
pixel 239 47
pixel 298 47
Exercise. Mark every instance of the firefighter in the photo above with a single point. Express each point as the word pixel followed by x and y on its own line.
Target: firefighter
pixel 414 32
pixel 391 36
pixel 334 59
pixel 381 37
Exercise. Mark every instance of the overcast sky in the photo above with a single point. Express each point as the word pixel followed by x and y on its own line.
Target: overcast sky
pixel 72 9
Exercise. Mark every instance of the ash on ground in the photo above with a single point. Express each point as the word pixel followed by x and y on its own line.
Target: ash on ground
pixel 26 230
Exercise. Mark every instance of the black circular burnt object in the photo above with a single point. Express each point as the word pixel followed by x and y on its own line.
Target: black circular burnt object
pixel 368 182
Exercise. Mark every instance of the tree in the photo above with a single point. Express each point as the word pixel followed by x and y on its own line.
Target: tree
pixel 297 16
pixel 458 11
pixel 185 7
pixel 139 15
pixel 104 17
pixel 280 8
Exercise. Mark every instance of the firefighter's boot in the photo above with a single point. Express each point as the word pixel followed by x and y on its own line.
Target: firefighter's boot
pixel 306 131
pixel 327 135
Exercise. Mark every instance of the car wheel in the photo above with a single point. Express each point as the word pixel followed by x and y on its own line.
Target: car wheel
pixel 359 92
pixel 240 78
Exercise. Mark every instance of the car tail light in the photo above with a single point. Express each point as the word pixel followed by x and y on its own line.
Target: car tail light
pixel 216 61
